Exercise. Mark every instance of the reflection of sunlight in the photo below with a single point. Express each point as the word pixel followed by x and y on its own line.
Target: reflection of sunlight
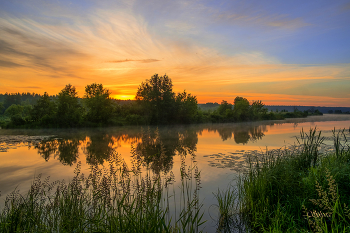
pixel 125 140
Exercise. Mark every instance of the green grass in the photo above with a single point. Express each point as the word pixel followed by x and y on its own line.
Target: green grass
pixel 299 191
pixel 229 217
pixel 113 199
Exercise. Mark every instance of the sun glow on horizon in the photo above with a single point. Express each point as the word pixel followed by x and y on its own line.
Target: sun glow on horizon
pixel 124 97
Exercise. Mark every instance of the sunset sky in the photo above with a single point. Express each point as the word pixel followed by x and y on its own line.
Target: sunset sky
pixel 281 52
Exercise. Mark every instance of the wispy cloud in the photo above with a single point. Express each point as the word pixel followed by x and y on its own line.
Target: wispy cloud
pixel 39 51
pixel 9 64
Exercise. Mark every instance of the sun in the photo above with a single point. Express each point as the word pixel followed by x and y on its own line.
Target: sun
pixel 124 97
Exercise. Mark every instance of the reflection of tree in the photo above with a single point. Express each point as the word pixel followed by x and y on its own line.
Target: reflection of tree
pixel 154 148
pixel 157 147
pixel 188 140
pixel 241 136
pixel 67 150
pixel 47 148
pixel 225 133
pixel 256 133
pixel 99 148
pixel 241 133
pixel 153 153
pixel 253 133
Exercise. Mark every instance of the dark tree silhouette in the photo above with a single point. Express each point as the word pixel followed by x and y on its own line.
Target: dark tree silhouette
pixel 99 105
pixel 44 110
pixel 69 110
pixel 157 97
pixel 241 109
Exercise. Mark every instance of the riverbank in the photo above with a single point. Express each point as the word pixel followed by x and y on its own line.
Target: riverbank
pixel 132 120
pixel 298 191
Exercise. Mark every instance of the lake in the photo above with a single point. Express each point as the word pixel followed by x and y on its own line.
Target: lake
pixel 217 150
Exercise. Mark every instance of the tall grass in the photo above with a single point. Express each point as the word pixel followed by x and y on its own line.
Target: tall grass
pixel 300 190
pixel 111 199
pixel 228 207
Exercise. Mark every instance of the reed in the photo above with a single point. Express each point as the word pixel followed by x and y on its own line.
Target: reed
pixel 299 190
pixel 228 209
pixel 109 199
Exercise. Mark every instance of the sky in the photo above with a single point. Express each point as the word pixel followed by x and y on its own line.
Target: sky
pixel 287 52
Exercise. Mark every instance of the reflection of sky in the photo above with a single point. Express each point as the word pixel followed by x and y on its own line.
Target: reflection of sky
pixel 281 52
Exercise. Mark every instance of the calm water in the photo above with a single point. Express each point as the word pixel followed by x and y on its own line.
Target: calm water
pixel 218 150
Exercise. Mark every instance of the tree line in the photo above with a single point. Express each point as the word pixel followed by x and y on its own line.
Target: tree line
pixel 155 104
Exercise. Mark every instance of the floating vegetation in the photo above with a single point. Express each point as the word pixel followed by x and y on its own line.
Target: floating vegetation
pixel 12 141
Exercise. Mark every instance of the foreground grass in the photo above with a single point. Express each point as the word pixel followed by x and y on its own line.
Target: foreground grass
pixel 299 191
pixel 108 200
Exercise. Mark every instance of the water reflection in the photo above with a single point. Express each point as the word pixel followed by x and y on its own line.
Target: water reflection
pixel 47 148
pixel 65 150
pixel 241 133
pixel 153 147
pixel 68 151
pixel 98 148
pixel 157 147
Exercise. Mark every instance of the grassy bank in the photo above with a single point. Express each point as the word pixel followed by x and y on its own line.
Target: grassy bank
pixel 298 191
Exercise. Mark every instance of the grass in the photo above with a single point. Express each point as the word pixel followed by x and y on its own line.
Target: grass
pixel 300 190
pixel 229 217
pixel 113 199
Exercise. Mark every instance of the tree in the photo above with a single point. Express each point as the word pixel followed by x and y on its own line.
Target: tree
pixel 241 109
pixel 1 107
pixel 10 99
pixel 69 110
pixel 157 97
pixel 186 107
pixel 225 109
pixel 257 110
pixel 13 110
pixel 99 105
pixel 44 110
